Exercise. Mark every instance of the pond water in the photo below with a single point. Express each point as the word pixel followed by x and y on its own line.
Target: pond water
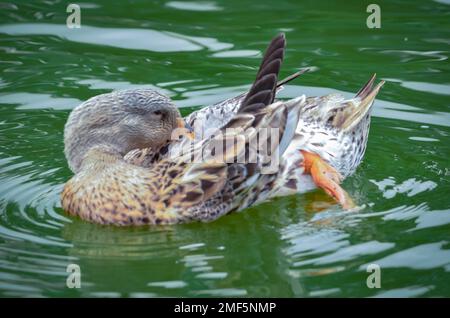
pixel 203 52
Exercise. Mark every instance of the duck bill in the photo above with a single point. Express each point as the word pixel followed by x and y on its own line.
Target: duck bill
pixel 367 95
pixel 185 129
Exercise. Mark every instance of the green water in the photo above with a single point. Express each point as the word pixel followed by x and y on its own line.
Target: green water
pixel 200 53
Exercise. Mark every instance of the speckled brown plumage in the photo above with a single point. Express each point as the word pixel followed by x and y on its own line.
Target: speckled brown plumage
pixel 109 190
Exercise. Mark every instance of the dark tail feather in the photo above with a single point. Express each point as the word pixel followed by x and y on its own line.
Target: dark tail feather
pixel 264 88
pixel 365 90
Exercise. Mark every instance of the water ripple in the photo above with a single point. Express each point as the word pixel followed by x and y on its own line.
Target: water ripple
pixel 298 246
pixel 425 256
pixel 130 39
pixel 194 5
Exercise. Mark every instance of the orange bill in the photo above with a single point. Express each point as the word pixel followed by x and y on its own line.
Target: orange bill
pixel 185 128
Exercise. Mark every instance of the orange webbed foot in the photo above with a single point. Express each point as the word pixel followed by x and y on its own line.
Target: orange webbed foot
pixel 327 178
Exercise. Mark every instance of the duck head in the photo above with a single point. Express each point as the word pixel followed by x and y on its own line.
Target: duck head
pixel 118 122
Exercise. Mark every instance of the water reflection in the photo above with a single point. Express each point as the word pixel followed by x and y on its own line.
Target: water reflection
pixel 425 256
pixel 441 89
pixel 130 39
pixel 194 5
pixel 410 187
pixel 201 257
pixel 35 101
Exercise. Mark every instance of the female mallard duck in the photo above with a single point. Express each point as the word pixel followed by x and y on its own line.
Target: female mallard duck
pixel 129 169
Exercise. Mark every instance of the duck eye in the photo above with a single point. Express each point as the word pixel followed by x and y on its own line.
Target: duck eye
pixel 157 112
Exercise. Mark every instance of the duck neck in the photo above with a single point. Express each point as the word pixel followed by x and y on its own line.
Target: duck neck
pixel 99 157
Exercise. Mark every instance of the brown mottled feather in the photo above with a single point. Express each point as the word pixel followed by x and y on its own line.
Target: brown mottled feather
pixel 109 190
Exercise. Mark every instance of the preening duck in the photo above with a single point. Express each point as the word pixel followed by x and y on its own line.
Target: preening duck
pixel 129 169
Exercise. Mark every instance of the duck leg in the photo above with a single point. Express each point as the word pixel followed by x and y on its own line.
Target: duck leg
pixel 327 178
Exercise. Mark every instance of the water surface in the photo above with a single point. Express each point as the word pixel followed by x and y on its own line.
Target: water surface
pixel 202 52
